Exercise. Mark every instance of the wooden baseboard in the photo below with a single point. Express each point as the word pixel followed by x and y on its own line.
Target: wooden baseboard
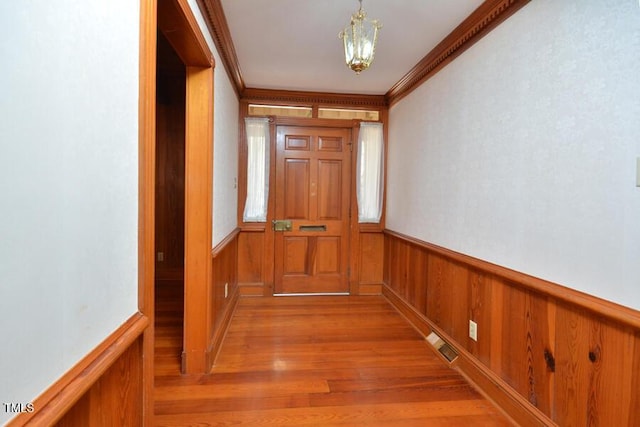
pixel 251 289
pixel 221 330
pixel 514 406
pixel 370 289
pixel 61 396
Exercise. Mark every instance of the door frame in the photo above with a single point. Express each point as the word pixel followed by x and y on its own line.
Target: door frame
pixel 256 241
pixel 268 261
pixel 176 20
pixel 349 141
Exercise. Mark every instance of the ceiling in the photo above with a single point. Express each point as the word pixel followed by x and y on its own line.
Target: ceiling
pixel 294 44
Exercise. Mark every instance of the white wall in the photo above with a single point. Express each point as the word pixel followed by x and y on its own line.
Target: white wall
pixel 68 184
pixel 225 157
pixel 225 147
pixel 522 152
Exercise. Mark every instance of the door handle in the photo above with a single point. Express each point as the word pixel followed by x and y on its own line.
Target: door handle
pixel 281 225
pixel 313 228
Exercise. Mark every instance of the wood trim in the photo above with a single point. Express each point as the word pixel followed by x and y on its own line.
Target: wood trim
pixel 146 195
pixel 198 216
pixel 249 227
pixel 251 289
pixel 217 23
pixel 225 242
pixel 268 264
pixel 64 393
pixel 484 19
pixel 303 98
pixel 514 406
pixel 178 24
pixel 370 289
pixel 610 310
pixel 314 122
pixel 354 225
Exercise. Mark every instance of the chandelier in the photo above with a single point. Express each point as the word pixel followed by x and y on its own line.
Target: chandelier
pixel 359 39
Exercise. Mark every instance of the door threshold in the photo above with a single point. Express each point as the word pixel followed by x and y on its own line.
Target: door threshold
pixel 313 294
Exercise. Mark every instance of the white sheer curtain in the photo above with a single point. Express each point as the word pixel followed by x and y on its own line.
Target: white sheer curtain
pixel 370 172
pixel 255 208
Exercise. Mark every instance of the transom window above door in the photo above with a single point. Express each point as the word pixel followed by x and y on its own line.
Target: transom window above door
pixel 308 112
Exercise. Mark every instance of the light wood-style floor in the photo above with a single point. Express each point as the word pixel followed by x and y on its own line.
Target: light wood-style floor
pixel 313 361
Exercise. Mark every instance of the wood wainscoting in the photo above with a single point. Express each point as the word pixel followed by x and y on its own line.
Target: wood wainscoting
pixel 224 291
pixel 251 269
pixel 546 354
pixel 104 388
pixel 255 276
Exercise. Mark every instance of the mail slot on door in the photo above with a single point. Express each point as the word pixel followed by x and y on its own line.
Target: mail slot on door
pixel 313 228
pixel 281 225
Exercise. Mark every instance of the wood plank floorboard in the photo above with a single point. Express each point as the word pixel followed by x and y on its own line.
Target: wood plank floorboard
pixel 312 361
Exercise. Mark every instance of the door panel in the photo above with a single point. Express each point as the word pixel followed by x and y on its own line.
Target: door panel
pixel 313 167
pixel 296 186
pixel 329 185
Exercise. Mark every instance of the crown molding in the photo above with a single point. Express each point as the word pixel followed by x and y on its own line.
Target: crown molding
pixel 484 19
pixel 312 98
pixel 219 29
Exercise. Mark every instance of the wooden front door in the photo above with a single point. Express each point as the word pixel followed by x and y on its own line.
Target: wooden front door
pixel 312 188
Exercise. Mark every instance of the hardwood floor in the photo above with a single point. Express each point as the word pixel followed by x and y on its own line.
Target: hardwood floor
pixel 313 361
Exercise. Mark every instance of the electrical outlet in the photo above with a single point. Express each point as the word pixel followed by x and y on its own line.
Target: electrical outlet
pixel 473 330
pixel 160 256
pixel 226 290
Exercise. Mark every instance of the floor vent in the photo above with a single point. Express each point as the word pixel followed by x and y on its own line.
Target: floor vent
pixel 443 347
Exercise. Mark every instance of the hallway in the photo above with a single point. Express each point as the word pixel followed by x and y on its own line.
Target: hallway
pixel 315 361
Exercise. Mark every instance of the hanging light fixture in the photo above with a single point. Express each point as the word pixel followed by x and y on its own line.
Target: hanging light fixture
pixel 360 38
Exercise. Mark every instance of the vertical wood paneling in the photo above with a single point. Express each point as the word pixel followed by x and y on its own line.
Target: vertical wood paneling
pixel 481 305
pixel 634 412
pixel 447 298
pixel 525 339
pixel 398 258
pixel 497 325
pixel 224 272
pixel 610 384
pixel 115 399
pixel 417 279
pixel 594 370
pixel 224 291
pixel 250 257
pixel 371 258
pixel 575 365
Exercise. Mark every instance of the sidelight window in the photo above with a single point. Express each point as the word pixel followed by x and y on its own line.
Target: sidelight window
pixel 370 172
pixel 257 131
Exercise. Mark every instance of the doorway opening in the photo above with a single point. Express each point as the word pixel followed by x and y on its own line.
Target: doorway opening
pixel 169 195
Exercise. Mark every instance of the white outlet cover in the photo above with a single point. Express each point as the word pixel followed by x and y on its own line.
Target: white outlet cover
pixel 473 330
